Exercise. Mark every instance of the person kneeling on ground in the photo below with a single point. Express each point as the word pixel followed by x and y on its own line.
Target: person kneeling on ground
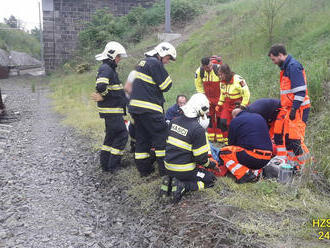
pixel 250 146
pixel 186 147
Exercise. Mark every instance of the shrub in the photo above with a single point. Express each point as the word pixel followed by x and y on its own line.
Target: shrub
pixel 100 29
pixel 183 11
pixel 19 40
pixel 132 27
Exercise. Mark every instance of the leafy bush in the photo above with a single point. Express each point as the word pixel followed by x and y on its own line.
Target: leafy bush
pixel 183 11
pixel 19 40
pixel 132 27
pixel 100 29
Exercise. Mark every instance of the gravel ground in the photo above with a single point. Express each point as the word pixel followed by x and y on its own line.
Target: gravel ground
pixel 53 193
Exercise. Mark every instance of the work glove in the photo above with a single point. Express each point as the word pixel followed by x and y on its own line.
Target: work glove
pixel 292 115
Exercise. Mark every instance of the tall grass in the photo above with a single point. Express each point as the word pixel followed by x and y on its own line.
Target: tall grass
pixel 236 32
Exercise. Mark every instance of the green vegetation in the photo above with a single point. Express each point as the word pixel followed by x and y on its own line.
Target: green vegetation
pixel 18 40
pixel 131 28
pixel 238 31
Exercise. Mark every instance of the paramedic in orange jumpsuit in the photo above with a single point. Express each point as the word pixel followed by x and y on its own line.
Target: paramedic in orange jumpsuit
pixel 250 147
pixel 289 128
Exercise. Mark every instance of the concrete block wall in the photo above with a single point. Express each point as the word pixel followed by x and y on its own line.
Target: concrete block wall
pixel 63 19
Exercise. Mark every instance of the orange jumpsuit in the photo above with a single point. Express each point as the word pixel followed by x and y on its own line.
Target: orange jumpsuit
pixel 289 134
pixel 250 147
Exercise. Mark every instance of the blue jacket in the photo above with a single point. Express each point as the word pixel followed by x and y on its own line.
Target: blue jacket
pixel 249 131
pixel 294 70
pixel 266 107
pixel 173 112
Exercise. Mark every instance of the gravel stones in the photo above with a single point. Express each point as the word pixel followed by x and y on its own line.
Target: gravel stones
pixel 50 178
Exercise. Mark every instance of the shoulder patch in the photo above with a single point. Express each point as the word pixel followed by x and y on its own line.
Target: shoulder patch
pixel 142 63
pixel 180 130
pixel 242 83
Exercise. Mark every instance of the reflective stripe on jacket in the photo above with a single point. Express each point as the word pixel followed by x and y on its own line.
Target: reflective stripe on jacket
pixel 236 89
pixel 151 81
pixel 289 94
pixel 187 145
pixel 109 86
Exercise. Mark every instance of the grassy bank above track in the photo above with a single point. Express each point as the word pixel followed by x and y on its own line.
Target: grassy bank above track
pixel 276 214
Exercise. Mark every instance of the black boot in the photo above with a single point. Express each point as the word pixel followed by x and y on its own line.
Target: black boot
pixel 104 160
pixel 114 163
pixel 249 177
pixel 144 166
pixel 178 189
pixel 165 187
pixel 161 167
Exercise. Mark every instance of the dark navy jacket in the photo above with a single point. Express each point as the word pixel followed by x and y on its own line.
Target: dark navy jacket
pixel 150 82
pixel 109 86
pixel 294 70
pixel 187 145
pixel 249 131
pixel 173 112
pixel 266 107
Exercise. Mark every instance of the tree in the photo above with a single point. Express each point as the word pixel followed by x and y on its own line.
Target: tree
pixel 13 22
pixel 36 33
pixel 271 10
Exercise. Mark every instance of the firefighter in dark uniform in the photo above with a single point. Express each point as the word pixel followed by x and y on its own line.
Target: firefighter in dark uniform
pixel 146 107
pixel 111 104
pixel 187 146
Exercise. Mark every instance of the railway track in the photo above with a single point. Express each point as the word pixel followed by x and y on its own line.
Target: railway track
pixel 5 130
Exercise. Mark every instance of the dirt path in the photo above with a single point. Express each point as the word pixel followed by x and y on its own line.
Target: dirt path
pixel 52 192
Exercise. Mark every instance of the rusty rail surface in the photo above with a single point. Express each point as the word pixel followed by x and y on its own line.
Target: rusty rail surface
pixel 2 105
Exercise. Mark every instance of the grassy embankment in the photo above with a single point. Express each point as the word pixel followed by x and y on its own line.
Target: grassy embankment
pixel 272 211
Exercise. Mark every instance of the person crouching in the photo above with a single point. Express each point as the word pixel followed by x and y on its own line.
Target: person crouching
pixel 250 146
pixel 187 146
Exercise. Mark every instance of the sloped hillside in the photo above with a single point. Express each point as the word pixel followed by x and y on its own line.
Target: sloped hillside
pixel 264 214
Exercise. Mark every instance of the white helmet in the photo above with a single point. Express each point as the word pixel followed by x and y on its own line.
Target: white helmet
pixel 111 50
pixel 163 49
pixel 197 106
